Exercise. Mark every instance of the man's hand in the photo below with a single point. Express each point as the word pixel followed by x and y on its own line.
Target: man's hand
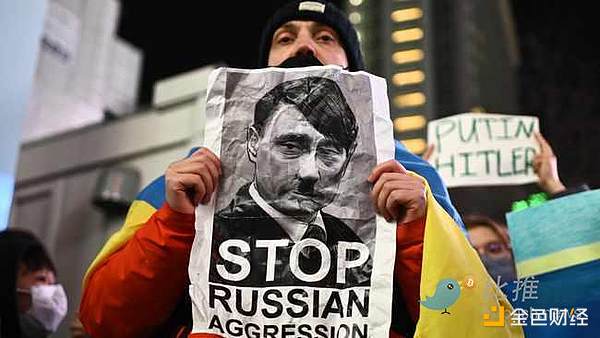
pixel 192 180
pixel 546 168
pixel 396 194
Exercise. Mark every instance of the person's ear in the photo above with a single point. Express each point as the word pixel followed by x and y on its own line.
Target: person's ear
pixel 351 150
pixel 252 139
pixel 349 153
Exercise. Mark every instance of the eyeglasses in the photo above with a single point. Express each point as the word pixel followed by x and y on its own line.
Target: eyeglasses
pixel 492 248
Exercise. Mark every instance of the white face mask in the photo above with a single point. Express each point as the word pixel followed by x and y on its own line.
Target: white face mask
pixel 48 305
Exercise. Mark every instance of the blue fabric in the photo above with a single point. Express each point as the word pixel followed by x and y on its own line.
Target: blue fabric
pixel 563 223
pixel 415 163
pixel 574 287
pixel 154 193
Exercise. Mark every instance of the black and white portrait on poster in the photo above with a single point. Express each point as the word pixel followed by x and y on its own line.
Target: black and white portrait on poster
pixel 290 246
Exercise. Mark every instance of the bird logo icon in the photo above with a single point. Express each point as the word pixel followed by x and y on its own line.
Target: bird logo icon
pixel 447 292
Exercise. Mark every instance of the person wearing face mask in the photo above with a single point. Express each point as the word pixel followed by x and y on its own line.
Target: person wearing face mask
pixel 33 305
pixel 137 285
pixel 491 241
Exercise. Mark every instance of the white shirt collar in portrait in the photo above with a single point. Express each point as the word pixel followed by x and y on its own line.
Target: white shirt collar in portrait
pixel 294 227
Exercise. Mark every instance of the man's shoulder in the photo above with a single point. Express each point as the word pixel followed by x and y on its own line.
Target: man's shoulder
pixel 153 193
pixel 243 217
pixel 240 206
pixel 407 158
pixel 337 229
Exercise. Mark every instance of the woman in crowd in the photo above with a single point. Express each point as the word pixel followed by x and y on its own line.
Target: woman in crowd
pixel 32 305
pixel 491 241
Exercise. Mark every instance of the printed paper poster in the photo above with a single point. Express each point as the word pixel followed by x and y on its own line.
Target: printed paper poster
pixel 290 246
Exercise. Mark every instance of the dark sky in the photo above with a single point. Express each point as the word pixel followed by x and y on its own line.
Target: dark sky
pixel 185 35
pixel 559 80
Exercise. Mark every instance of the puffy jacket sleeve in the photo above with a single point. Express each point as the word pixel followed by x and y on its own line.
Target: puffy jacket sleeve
pixel 136 288
pixel 409 258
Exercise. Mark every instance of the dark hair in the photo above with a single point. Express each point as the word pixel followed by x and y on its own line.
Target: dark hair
pixel 473 220
pixel 17 248
pixel 320 100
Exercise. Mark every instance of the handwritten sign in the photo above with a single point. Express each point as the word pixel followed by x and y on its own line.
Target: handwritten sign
pixel 475 149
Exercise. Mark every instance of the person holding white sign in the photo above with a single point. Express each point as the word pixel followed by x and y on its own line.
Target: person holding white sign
pixel 137 286
pixel 544 165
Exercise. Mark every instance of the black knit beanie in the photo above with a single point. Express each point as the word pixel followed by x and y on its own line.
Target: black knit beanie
pixel 318 11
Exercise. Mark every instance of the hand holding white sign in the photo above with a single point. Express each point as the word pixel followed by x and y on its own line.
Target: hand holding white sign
pixel 396 194
pixel 546 168
pixel 192 180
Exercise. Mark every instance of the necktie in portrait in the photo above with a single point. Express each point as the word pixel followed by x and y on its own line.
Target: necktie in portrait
pixel 310 259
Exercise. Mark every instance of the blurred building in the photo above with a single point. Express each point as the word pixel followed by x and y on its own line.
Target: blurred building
pixel 83 70
pixel 439 57
pixel 72 189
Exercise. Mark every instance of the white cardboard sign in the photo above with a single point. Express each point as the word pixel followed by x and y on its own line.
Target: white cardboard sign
pixel 479 149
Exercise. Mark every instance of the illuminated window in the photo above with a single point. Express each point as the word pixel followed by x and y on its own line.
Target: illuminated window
pixel 415 145
pixel 408 123
pixel 407 56
pixel 407 14
pixel 409 100
pixel 405 35
pixel 406 78
pixel 355 18
pixel 477 109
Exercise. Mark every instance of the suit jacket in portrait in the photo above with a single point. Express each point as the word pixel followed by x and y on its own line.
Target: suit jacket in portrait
pixel 245 220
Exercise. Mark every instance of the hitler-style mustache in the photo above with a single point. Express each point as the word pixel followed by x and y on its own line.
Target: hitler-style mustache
pixel 307 188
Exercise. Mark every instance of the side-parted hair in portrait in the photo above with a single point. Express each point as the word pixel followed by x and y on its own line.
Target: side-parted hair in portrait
pixel 321 102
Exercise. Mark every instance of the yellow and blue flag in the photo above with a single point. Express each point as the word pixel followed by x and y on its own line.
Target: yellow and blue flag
pixel 556 247
pixel 143 207
pixel 480 309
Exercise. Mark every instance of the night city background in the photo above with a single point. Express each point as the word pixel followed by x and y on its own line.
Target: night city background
pixel 100 96
pixel 557 77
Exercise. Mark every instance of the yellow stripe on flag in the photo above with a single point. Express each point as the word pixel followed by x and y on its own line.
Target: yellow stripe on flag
pixel 139 213
pixel 559 260
pixel 447 255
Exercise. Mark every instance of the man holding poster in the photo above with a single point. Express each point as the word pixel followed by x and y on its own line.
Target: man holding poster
pixel 138 284
pixel 300 144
